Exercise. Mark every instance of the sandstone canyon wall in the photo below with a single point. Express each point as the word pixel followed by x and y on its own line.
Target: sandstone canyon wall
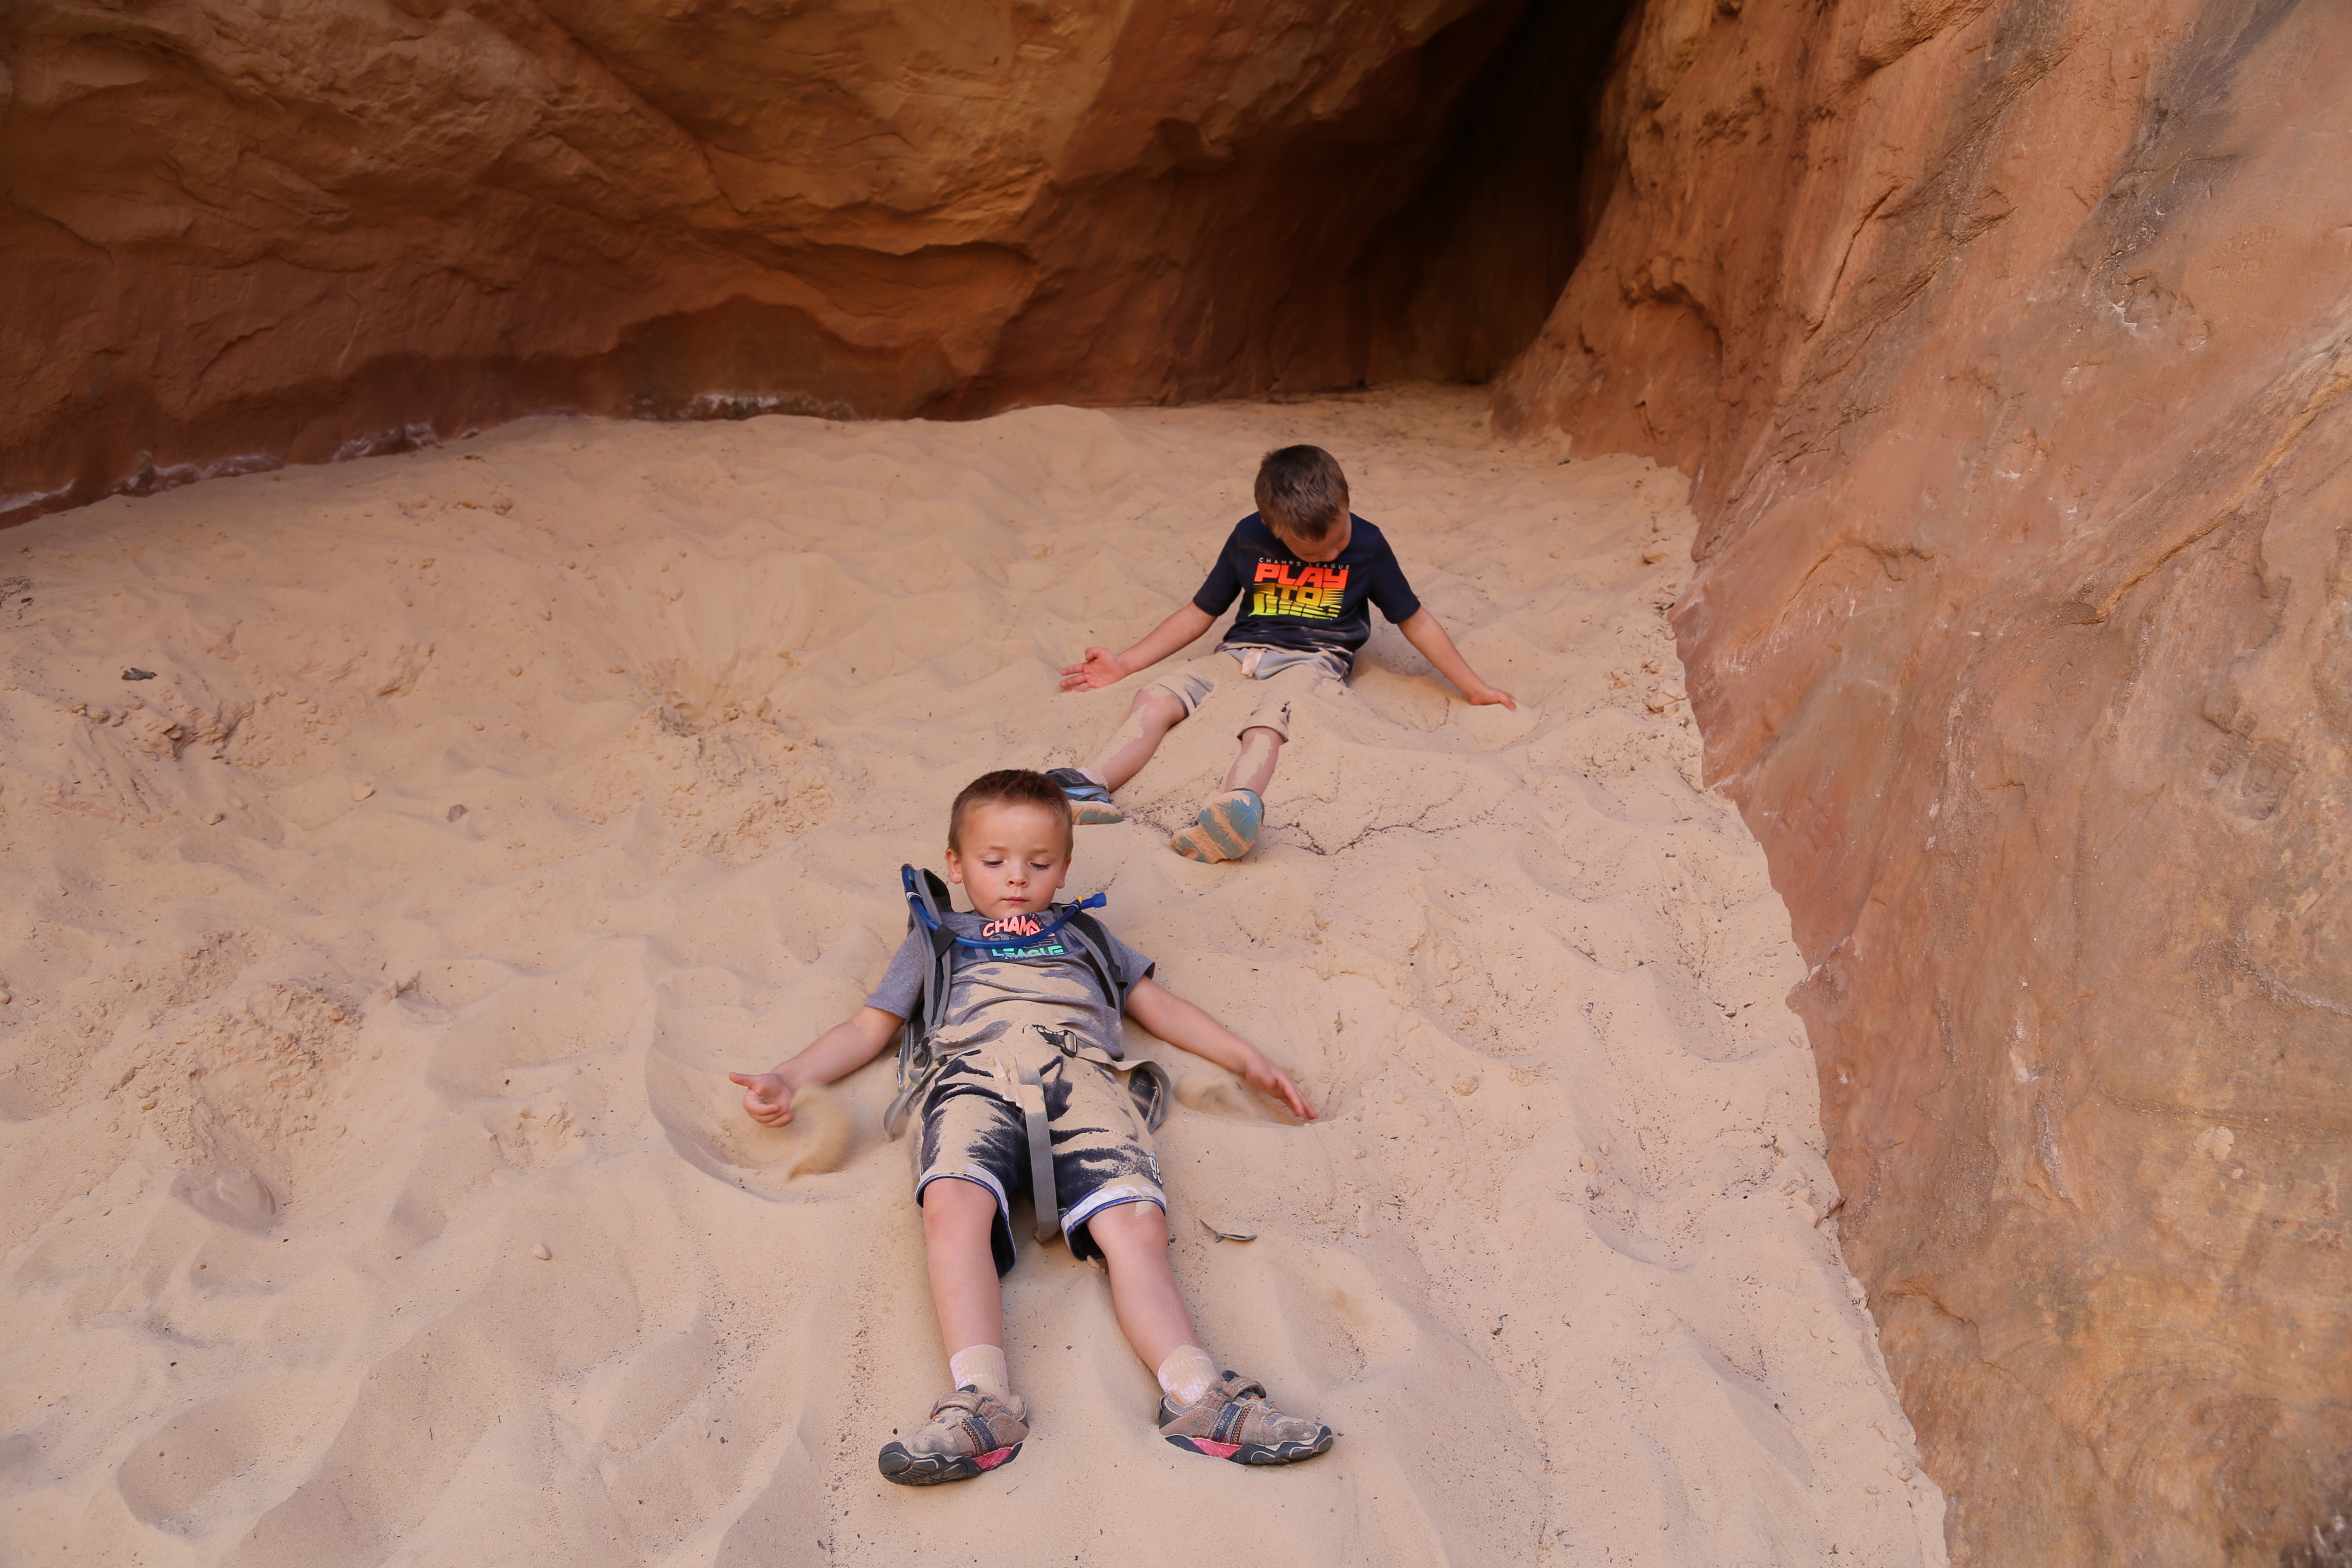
pixel 2007 340
pixel 249 231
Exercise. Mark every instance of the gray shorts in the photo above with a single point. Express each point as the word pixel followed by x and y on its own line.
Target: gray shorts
pixel 1276 677
pixel 973 1130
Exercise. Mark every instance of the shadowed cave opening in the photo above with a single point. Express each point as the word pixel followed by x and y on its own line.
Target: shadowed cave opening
pixel 1423 233
pixel 1348 214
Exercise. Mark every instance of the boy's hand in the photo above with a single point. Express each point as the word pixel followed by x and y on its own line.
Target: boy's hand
pixel 1421 630
pixel 1101 669
pixel 1185 1026
pixel 1262 1075
pixel 766 1096
pixel 1482 695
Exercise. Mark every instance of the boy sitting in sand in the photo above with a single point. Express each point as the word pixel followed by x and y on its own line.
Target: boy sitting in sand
pixel 1026 1010
pixel 1311 568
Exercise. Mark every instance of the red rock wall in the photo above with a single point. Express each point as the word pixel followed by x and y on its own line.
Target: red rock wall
pixel 2008 341
pixel 279 229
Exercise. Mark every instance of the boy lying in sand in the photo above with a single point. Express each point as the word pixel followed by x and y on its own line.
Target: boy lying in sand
pixel 1311 568
pixel 1027 1019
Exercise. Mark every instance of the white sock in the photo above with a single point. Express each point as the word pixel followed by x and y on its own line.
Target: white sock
pixel 1095 776
pixel 981 1367
pixel 1187 1373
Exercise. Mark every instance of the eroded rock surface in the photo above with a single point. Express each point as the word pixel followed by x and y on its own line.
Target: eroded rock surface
pixel 2021 633
pixel 247 232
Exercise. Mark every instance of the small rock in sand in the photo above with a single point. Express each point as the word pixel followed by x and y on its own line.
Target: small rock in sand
pixel 542 1253
pixel 456 812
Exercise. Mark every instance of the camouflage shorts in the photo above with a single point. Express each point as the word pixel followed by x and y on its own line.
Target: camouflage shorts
pixel 1270 694
pixel 973 1130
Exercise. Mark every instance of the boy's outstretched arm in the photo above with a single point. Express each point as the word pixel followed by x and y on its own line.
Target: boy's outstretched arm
pixel 1421 630
pixel 844 1048
pixel 1104 667
pixel 1180 1023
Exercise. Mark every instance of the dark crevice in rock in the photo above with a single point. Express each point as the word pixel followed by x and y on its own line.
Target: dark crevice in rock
pixel 480 213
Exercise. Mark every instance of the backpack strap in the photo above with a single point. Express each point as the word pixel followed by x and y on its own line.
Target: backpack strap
pixel 1041 1195
pixel 927 898
pixel 1148 1081
pixel 1153 1089
pixel 1093 944
pixel 930 917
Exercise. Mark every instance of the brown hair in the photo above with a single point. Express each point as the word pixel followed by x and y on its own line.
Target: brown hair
pixel 1010 787
pixel 1301 493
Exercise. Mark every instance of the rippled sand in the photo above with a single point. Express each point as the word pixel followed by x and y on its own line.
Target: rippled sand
pixel 374 1194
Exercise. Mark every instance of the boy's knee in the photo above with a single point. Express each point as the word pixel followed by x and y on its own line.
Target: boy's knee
pixel 953 1206
pixel 1129 1228
pixel 1259 735
pixel 1156 707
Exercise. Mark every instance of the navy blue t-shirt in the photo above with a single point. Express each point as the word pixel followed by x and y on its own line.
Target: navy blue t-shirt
pixel 1310 606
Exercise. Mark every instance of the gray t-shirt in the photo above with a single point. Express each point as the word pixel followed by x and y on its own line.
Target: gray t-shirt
pixel 990 993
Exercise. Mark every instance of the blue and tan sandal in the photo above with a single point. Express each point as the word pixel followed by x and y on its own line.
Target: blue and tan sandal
pixel 1090 803
pixel 1225 829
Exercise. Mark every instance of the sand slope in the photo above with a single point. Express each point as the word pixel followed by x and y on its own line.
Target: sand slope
pixel 305 1066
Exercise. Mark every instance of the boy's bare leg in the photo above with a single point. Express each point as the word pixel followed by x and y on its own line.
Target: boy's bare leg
pixel 984 1423
pixel 1253 767
pixel 1202 1413
pixel 1228 825
pixel 1149 718
pixel 956 1217
pixel 1134 1242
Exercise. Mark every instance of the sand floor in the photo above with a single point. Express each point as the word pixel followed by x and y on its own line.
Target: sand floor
pixel 374 1192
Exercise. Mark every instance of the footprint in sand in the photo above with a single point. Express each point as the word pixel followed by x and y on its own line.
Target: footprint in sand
pixel 186 1467
pixel 237 1198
